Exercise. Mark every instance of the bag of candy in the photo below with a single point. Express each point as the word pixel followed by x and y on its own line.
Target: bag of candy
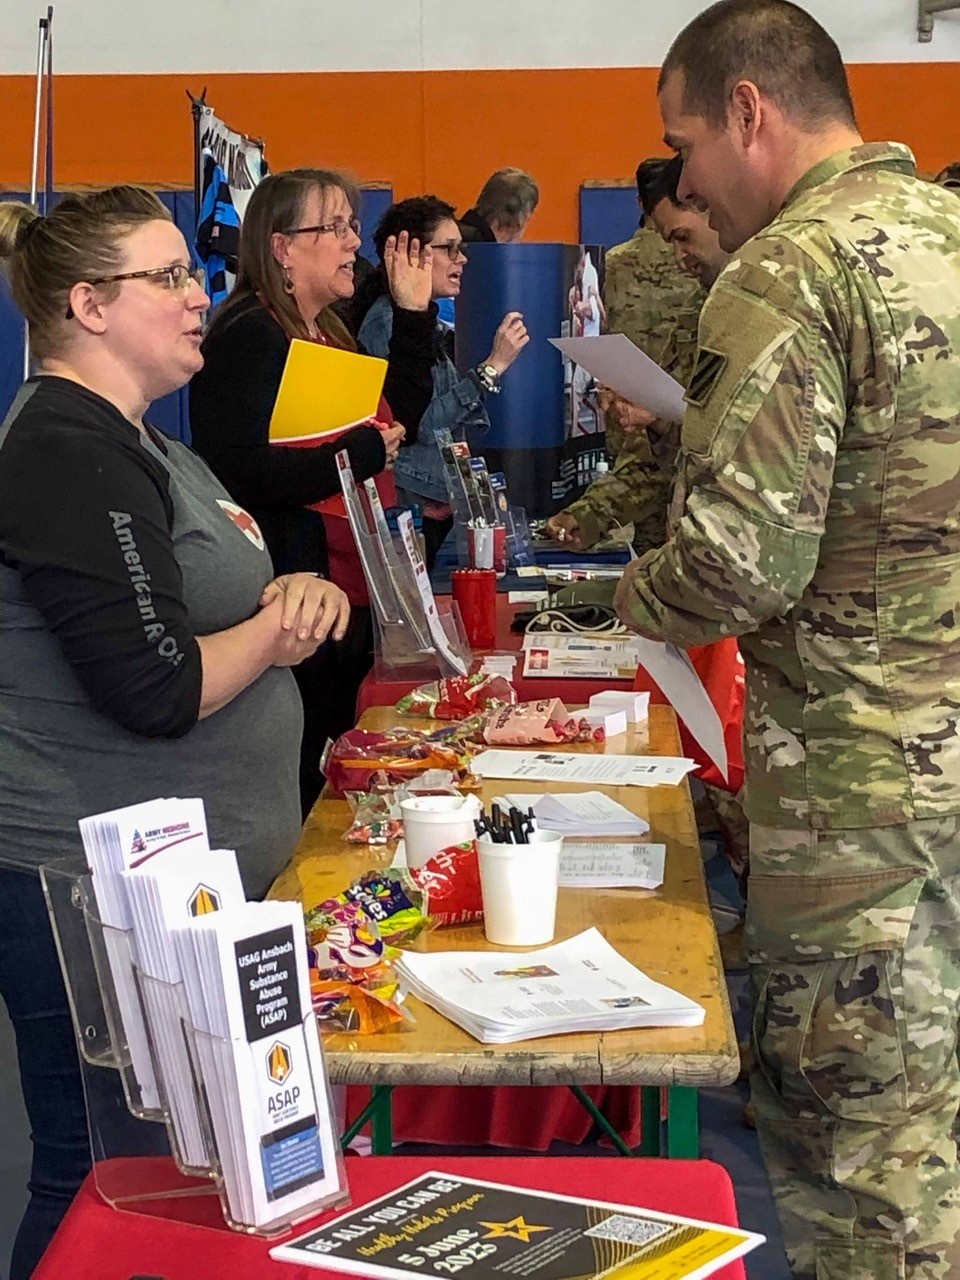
pixel 451 880
pixel 353 984
pixel 544 721
pixel 455 697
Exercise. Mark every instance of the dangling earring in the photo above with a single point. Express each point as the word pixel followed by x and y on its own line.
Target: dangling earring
pixel 288 286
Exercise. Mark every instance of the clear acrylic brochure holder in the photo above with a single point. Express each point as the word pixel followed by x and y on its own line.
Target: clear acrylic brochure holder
pixel 140 1160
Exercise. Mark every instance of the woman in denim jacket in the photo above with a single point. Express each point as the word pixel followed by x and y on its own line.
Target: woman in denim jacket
pixel 457 403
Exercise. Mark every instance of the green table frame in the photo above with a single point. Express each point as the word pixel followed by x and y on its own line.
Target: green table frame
pixel 677 1136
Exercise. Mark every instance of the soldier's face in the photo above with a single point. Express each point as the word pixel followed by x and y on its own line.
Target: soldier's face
pixel 694 242
pixel 717 167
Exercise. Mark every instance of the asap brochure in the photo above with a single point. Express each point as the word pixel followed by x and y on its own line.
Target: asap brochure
pixel 247 982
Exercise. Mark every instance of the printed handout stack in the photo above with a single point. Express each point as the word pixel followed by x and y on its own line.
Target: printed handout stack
pixel 580 813
pixel 581 984
pixel 214 998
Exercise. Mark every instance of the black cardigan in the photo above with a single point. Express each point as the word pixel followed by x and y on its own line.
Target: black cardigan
pixel 231 403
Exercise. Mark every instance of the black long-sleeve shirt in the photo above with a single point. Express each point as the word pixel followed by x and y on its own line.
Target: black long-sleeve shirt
pixel 231 403
pixel 117 550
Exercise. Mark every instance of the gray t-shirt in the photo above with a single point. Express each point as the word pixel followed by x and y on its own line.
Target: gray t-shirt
pixel 116 552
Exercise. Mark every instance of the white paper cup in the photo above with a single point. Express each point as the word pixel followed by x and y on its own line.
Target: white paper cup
pixel 519 887
pixel 432 823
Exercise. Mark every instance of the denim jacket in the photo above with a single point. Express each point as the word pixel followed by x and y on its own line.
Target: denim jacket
pixel 457 404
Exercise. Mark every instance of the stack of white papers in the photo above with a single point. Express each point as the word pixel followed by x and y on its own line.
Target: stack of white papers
pixel 607 770
pixel 165 894
pixel 580 813
pixel 635 706
pixel 115 842
pixel 246 977
pixel 584 865
pixel 582 984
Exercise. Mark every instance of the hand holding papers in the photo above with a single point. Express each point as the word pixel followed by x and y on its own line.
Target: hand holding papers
pixel 582 984
pixel 619 365
pixel 351 386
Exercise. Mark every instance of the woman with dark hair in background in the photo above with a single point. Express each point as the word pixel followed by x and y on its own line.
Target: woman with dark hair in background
pixel 456 403
pixel 298 244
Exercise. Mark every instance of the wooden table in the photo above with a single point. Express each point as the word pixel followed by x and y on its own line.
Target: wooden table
pixel 668 933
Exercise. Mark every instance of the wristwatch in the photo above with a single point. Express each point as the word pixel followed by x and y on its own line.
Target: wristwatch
pixel 488 378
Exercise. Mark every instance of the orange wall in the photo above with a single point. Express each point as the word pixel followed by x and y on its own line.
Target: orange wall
pixel 441 131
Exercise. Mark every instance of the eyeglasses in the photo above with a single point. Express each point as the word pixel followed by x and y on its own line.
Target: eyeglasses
pixel 452 248
pixel 175 277
pixel 341 227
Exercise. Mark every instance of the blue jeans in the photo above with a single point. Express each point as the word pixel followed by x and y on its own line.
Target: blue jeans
pixel 32 989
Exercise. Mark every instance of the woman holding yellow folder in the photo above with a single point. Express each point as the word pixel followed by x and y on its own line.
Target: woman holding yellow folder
pixel 298 246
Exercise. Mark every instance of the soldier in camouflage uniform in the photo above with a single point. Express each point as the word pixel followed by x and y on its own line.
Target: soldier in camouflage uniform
pixel 657 307
pixel 817 517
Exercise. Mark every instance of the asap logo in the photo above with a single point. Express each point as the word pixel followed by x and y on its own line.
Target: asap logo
pixel 279 1067
pixel 203 901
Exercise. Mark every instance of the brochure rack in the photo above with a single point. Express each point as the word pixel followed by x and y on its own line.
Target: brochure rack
pixel 145 1156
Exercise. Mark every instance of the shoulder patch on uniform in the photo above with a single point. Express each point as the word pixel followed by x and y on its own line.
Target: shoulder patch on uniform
pixel 706 373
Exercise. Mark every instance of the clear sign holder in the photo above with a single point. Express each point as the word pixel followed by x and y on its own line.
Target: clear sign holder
pixel 140 1160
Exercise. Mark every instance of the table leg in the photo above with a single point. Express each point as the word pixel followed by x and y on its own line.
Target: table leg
pixel 382 1127
pixel 683 1123
pixel 599 1118
pixel 650 1120
pixel 373 1113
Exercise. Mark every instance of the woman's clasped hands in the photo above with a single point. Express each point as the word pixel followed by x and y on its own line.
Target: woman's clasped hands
pixel 309 610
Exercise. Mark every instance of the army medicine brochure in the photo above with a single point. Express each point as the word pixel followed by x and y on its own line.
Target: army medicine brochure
pixel 443 1225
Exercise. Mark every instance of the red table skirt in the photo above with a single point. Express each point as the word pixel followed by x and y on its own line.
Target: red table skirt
pixel 184 1238
pixel 504 1116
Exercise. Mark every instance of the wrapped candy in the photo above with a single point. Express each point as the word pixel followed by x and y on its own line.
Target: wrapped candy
pixel 361 760
pixel 353 984
pixel 451 879
pixel 393 900
pixel 455 697
pixel 544 721
pixel 376 817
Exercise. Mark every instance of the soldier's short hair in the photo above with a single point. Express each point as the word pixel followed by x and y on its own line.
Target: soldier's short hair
pixel 773 43
pixel 509 197
pixel 661 184
pixel 648 173
pixel 949 176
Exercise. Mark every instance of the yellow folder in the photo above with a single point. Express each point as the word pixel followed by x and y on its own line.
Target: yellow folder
pixel 324 390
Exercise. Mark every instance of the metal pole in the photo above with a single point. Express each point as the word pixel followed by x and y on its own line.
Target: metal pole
pixel 42 59
pixel 925 15
pixel 48 186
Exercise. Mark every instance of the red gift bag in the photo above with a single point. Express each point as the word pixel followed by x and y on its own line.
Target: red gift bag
pixel 720 667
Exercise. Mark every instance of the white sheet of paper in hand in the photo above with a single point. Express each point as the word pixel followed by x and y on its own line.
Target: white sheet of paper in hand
pixel 683 689
pixel 618 364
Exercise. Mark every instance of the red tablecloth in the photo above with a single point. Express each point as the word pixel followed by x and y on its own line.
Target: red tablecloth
pixel 185 1238
pixel 527 1119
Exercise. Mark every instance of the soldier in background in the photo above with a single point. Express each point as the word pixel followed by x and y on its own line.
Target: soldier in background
pixel 816 517
pixel 637 488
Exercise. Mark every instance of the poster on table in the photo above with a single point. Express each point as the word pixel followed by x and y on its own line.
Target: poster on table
pixel 442 1225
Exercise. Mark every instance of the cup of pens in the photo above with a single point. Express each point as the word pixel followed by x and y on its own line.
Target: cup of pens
pixel 519 872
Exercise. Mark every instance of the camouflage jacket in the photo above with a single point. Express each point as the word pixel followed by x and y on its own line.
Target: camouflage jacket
pixel 643 292
pixel 817 511
pixel 636 490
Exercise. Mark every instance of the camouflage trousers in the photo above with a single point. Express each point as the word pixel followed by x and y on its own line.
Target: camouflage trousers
pixel 854 943
pixel 726 810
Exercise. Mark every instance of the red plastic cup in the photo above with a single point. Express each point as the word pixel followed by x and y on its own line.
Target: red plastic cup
pixel 475 591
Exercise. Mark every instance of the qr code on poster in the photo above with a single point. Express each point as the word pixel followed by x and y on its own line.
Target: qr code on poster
pixel 629 1230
